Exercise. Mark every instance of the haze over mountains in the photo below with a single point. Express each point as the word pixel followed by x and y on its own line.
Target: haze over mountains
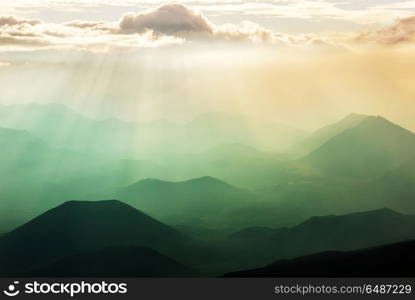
pixel 369 149
pixel 65 128
pixel 322 135
pixel 220 193
pixel 223 128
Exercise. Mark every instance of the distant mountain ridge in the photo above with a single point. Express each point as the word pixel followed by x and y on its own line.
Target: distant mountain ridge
pixel 395 189
pixel 322 135
pixel 170 189
pixel 63 127
pixel 369 149
pixel 192 201
pixel 326 233
pixel 19 146
pixel 221 128
pixel 394 260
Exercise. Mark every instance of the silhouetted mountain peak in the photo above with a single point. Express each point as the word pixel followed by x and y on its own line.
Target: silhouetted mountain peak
pixel 112 203
pixel 371 148
pixel 207 180
pixel 324 134
pixel 353 117
pixel 392 260
pixel 83 226
pixel 368 216
pixel 196 182
pixel 149 181
pixel 380 212
pixel 100 215
pixel 381 125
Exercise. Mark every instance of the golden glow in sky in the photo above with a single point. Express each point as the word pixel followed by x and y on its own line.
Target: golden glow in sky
pixel 297 61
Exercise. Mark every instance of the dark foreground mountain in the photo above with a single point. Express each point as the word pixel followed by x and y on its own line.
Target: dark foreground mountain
pixel 372 148
pixel 318 234
pixel 197 201
pixel 394 260
pixel 122 261
pixel 77 226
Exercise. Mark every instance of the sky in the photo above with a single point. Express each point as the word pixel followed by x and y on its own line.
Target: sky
pixel 302 62
pixel 282 15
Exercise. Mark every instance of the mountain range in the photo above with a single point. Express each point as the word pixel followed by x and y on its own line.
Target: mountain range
pixel 372 148
pixel 199 201
pixel 326 233
pixel 196 198
pixel 387 261
pixel 74 239
pixel 63 127
pixel 324 134
pixel 77 227
pixel 211 129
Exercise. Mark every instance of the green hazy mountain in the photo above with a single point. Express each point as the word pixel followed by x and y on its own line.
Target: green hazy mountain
pixel 112 175
pixel 228 162
pixel 395 189
pixel 212 129
pixel 324 134
pixel 202 200
pixel 370 149
pixel 65 128
pixel 255 192
pixel 77 226
pixel 121 261
pixel 317 234
pixel 394 260
pixel 253 233
pixel 239 152
pixel 20 151
pixel 362 168
pixel 27 156
pixel 31 170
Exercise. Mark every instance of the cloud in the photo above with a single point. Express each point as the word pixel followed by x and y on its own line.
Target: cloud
pixel 27 34
pixel 401 31
pixel 168 24
pixel 334 15
pixel 179 20
pixel 171 18
pixel 10 21
pixel 103 26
